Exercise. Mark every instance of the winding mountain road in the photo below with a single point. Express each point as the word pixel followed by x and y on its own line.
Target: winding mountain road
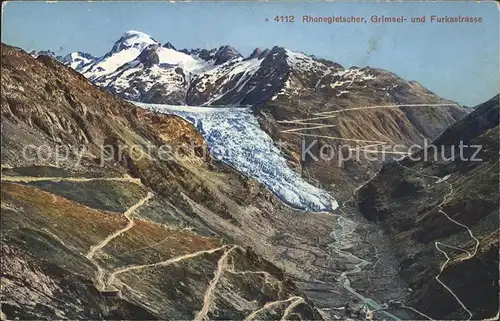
pixel 296 301
pixel 112 276
pixel 208 297
pixel 102 284
pixel 130 224
pixel 31 179
pixel 271 304
pixel 382 106
pixel 439 245
pixel 94 248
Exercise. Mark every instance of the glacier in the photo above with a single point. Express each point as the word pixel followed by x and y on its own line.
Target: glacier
pixel 233 136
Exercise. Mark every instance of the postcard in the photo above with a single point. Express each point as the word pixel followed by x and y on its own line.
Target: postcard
pixel 249 160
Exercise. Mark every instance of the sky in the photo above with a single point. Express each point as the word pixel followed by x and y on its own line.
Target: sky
pixel 457 61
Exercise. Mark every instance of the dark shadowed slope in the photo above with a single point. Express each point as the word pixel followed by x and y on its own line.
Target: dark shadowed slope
pixel 443 217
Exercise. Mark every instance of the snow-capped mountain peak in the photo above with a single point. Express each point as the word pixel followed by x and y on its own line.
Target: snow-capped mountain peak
pixel 140 68
pixel 77 60
pixel 125 50
pixel 133 39
pixel 135 51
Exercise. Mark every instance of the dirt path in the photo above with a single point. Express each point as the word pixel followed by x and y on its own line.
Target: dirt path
pixel 440 245
pixel 208 298
pixel 112 276
pixel 296 301
pixel 29 179
pixel 306 128
pixel 130 224
pixel 103 243
pixel 267 277
pixel 269 305
pixel 222 266
pixel 383 106
pixel 293 121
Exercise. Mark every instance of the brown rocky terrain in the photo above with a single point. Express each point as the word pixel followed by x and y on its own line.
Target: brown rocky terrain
pixel 186 236
pixel 442 214
pixel 182 236
pixel 72 227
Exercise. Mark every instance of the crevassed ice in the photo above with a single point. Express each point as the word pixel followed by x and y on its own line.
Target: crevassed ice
pixel 234 136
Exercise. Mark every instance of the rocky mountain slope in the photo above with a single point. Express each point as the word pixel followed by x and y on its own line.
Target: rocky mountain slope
pixel 284 87
pixel 183 236
pixel 293 264
pixel 321 110
pixel 442 213
pixel 74 231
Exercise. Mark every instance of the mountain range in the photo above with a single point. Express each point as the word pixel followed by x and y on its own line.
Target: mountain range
pixel 281 86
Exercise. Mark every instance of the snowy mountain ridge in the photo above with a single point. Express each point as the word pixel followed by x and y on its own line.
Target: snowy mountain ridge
pixel 132 39
pixel 139 68
pixel 281 85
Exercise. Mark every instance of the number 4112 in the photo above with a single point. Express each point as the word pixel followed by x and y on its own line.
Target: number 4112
pixel 284 19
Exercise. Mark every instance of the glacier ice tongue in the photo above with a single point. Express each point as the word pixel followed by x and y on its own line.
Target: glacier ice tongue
pixel 234 136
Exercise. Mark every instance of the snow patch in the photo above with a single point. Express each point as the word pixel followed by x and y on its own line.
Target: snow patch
pixel 109 64
pixel 173 57
pixel 133 39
